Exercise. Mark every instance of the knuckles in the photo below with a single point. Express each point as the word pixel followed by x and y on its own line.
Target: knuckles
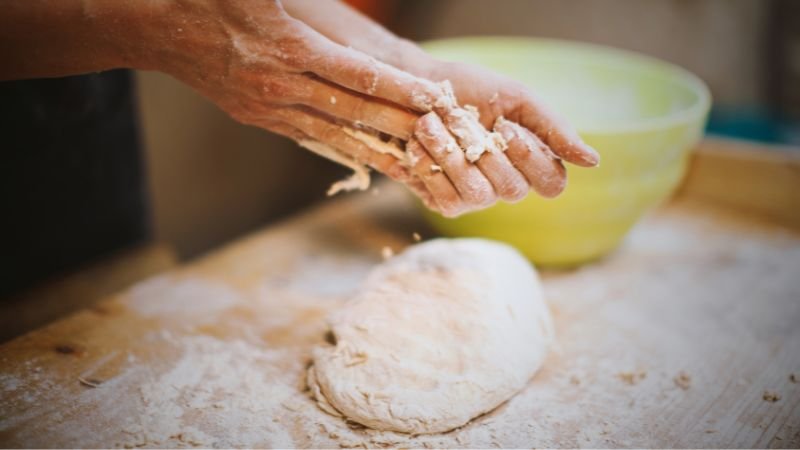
pixel 366 77
pixel 514 191
pixel 277 88
pixel 554 185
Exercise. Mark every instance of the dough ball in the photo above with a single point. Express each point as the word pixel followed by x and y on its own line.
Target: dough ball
pixel 436 336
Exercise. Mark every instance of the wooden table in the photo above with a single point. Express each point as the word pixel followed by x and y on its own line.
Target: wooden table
pixel 688 335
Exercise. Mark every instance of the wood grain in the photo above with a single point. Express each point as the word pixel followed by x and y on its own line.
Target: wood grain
pixel 748 177
pixel 214 353
pixel 72 292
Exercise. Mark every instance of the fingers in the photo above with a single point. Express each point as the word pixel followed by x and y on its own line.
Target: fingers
pixel 418 187
pixel 321 129
pixel 562 139
pixel 355 149
pixel 532 157
pixel 465 125
pixel 467 178
pixel 358 180
pixel 470 133
pixel 509 184
pixel 364 74
pixel 354 107
pixel 445 195
pixel 284 130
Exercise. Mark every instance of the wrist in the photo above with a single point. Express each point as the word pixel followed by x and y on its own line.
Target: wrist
pixel 129 34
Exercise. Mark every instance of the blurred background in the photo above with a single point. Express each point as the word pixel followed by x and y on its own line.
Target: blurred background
pixel 207 180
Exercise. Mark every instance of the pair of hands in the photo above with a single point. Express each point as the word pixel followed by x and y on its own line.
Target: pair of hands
pixel 321 74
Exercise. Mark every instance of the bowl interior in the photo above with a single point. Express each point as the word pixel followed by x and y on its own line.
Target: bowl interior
pixel 598 89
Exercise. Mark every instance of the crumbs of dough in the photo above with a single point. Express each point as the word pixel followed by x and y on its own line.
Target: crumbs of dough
pixel 464 124
pixel 632 378
pixel 392 147
pixel 360 178
pixel 473 110
pixel 411 159
pixel 89 382
pixel 771 396
pixel 683 380
pixel 448 99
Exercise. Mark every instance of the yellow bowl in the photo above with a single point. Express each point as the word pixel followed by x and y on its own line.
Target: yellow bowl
pixel 642 115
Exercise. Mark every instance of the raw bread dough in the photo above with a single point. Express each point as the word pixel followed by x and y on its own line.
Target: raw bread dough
pixel 436 336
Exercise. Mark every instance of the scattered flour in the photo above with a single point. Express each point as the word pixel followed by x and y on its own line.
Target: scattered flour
pixel 206 391
pixel 191 298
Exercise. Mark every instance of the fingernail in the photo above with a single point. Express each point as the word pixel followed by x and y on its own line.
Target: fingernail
pixel 593 157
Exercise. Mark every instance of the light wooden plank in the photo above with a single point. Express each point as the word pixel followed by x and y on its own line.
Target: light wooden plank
pixel 752 178
pixel 72 292
pixel 214 353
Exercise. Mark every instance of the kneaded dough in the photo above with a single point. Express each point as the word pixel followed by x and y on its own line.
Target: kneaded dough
pixel 438 335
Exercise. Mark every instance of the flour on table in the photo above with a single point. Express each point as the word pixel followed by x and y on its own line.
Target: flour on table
pixel 192 299
pixel 436 336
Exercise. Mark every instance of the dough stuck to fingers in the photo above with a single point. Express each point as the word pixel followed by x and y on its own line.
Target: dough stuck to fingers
pixel 375 143
pixel 444 194
pixel 353 107
pixel 472 185
pixel 533 158
pixel 356 149
pixel 464 123
pixel 360 178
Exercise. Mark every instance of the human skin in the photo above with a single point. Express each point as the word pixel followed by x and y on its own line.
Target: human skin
pixel 304 69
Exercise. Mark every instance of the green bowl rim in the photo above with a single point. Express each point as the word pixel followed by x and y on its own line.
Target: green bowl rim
pixel 692 113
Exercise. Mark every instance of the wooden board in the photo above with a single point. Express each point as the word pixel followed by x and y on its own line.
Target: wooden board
pixel 747 177
pixel 57 297
pixel 672 341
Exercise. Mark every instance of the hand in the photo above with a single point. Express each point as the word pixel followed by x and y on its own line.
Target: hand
pixel 267 69
pixel 527 118
pixel 537 139
pixel 314 80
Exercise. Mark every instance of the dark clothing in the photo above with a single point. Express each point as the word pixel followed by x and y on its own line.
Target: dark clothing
pixel 72 175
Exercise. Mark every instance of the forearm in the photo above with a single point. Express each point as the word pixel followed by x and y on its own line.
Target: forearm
pixel 340 23
pixel 49 38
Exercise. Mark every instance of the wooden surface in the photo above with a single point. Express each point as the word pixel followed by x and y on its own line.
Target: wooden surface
pixel 672 341
pixel 71 292
pixel 748 177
